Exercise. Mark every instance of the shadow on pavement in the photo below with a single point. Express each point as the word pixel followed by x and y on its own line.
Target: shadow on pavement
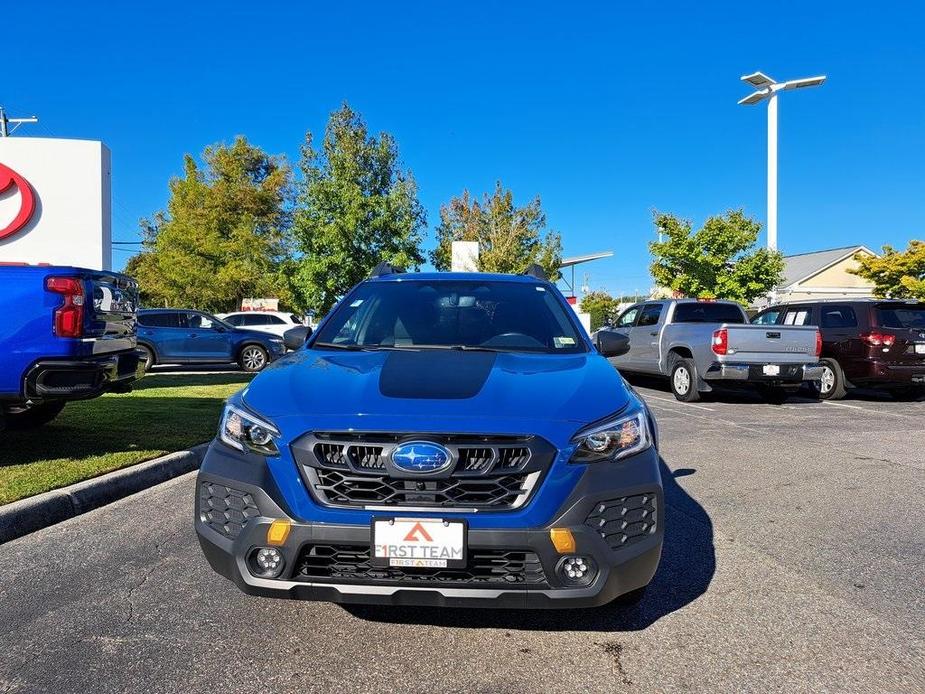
pixel 684 574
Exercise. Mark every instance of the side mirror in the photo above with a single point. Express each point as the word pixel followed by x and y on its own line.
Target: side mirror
pixel 296 337
pixel 611 343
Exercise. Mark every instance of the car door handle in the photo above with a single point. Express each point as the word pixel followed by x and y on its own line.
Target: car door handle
pixel 653 334
pixel 193 335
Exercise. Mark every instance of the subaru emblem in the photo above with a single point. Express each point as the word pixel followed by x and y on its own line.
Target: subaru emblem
pixel 421 456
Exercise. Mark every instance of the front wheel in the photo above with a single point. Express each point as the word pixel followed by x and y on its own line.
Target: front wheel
pixel 34 416
pixel 683 379
pixel 253 358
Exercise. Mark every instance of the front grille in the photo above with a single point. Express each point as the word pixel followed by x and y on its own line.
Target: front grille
pixel 351 469
pixel 345 488
pixel 624 521
pixel 225 510
pixel 349 563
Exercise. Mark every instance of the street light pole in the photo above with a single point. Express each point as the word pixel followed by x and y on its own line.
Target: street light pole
pixel 772 172
pixel 766 89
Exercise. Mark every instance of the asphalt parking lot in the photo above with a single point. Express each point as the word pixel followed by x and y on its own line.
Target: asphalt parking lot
pixel 794 561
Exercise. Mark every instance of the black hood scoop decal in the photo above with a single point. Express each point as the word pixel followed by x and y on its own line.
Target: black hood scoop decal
pixel 435 374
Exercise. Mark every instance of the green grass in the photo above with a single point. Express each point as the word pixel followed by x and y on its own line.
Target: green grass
pixel 163 414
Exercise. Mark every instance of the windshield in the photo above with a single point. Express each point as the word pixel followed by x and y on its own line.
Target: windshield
pixel 708 312
pixel 497 316
pixel 901 316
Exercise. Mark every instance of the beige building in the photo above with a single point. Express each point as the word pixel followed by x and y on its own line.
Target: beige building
pixel 824 275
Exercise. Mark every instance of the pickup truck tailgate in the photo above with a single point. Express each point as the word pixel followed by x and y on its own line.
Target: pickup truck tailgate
pixel 771 343
pixel 110 318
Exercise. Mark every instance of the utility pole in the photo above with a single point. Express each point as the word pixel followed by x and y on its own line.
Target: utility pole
pixel 5 130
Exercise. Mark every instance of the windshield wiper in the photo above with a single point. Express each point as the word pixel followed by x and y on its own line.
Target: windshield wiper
pixel 351 347
pixel 464 348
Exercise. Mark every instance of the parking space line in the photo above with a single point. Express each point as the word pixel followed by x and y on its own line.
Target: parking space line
pixel 686 404
pixel 714 419
pixel 864 409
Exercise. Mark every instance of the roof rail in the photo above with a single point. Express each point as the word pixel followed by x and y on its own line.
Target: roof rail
pixel 536 271
pixel 385 268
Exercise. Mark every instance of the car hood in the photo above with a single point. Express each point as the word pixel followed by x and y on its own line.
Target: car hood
pixel 356 389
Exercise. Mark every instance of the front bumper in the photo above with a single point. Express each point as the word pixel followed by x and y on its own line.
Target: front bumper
pixel 76 379
pixel 755 373
pixel 232 526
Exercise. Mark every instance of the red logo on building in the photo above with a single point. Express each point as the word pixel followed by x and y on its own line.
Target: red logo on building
pixel 9 180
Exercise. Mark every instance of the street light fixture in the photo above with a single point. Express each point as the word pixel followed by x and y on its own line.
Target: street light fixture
pixel 766 89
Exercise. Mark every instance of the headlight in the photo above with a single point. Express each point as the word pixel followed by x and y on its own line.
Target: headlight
pixel 621 437
pixel 244 431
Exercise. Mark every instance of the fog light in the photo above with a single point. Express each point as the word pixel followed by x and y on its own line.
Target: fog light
pixel 269 562
pixel 577 570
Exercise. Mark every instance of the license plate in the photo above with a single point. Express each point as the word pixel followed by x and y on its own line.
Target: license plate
pixel 771 370
pixel 920 348
pixel 419 543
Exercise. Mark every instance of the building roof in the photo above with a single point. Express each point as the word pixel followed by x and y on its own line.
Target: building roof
pixel 804 265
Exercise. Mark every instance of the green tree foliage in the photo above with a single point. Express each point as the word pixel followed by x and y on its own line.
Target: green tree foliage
pixel 718 261
pixel 224 234
pixel 601 306
pixel 895 274
pixel 356 208
pixel 510 238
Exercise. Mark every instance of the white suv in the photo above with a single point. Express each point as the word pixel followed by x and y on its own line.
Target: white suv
pixel 275 322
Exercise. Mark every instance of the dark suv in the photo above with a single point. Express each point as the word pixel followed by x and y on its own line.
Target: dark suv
pixel 873 343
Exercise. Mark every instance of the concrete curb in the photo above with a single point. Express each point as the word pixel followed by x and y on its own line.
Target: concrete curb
pixel 36 512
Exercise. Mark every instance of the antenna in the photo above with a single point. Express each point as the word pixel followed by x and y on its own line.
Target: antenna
pixel 5 130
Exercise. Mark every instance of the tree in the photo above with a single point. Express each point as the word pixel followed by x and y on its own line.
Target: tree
pixel 717 261
pixel 224 234
pixel 601 306
pixel 895 274
pixel 510 238
pixel 356 208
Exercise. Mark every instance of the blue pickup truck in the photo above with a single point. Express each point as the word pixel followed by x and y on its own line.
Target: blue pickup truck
pixel 67 334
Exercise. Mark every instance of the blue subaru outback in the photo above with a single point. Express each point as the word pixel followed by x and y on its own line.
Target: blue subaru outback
pixel 441 439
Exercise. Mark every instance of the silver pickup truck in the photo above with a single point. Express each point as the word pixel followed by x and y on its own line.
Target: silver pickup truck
pixel 698 344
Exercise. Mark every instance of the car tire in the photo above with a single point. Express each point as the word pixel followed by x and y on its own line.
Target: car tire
pixel 253 358
pixel 35 416
pixel 682 376
pixel 148 358
pixel 832 385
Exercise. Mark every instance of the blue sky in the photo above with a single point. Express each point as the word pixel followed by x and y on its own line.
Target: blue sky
pixel 606 110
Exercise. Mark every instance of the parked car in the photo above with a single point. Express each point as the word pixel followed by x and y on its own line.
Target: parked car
pixel 870 343
pixel 444 439
pixel 273 322
pixel 698 344
pixel 183 336
pixel 67 334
